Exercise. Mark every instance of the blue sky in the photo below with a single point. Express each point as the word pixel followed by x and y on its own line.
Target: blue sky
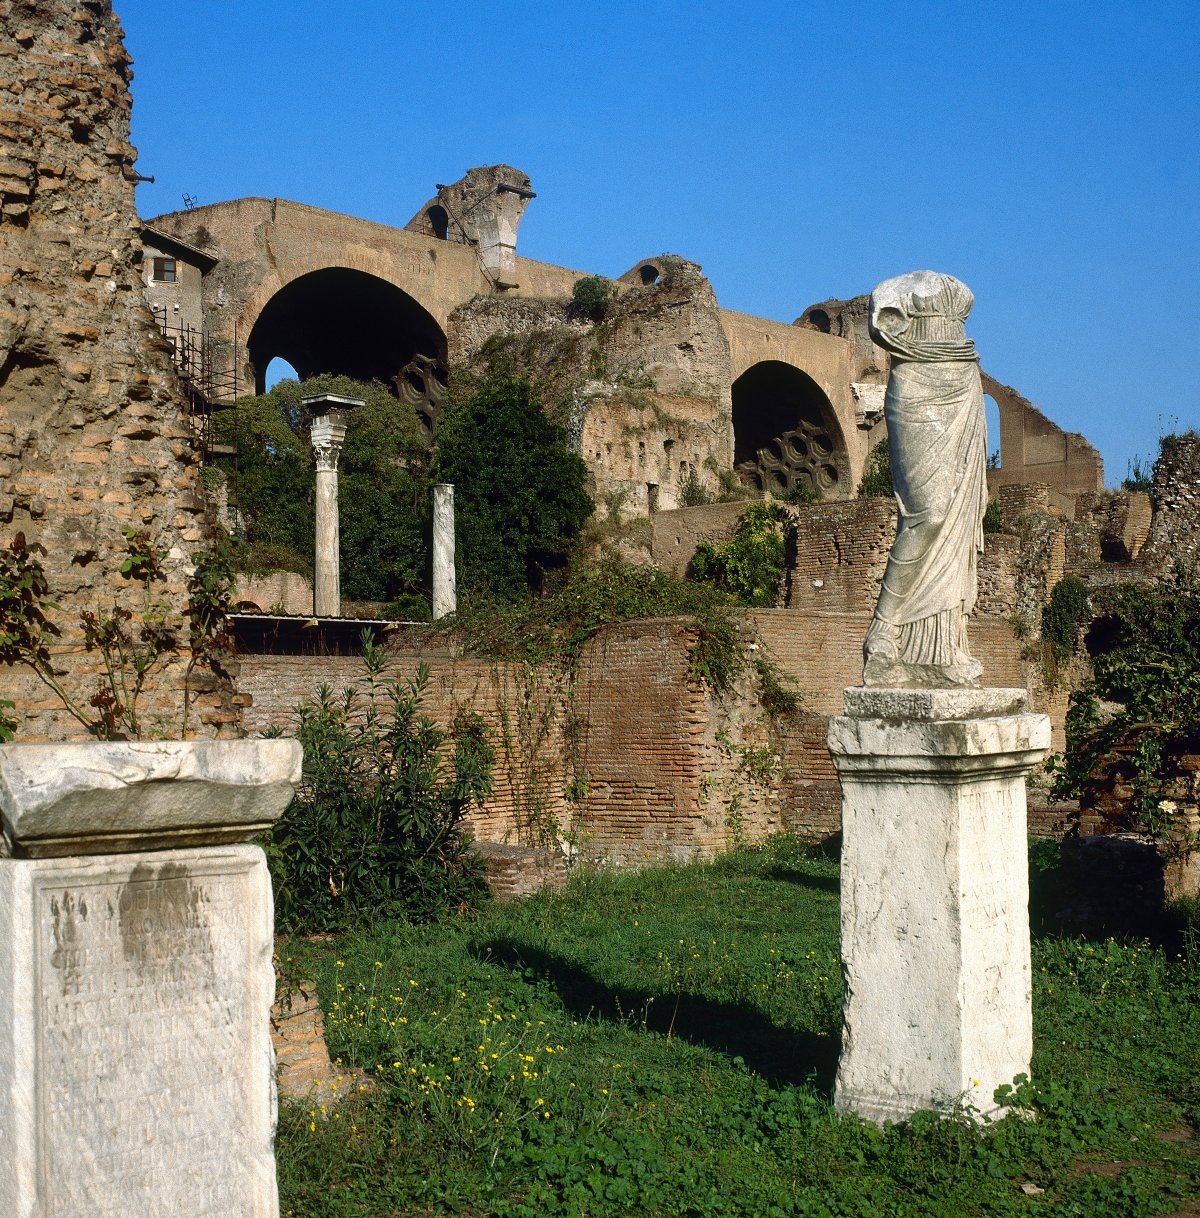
pixel 1046 153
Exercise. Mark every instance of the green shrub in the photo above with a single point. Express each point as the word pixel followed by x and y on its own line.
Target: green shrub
pixel 800 494
pixel 410 607
pixel 592 297
pixel 693 492
pixel 1145 647
pixel 749 566
pixel 1139 476
pixel 991 517
pixel 877 476
pixel 520 497
pixel 375 829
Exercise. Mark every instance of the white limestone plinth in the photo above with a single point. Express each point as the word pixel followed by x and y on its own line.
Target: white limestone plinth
pixel 136 1071
pixel 935 897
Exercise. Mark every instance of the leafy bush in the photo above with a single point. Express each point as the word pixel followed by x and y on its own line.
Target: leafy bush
pixel 877 476
pixel 520 497
pixel 800 494
pixel 693 492
pixel 1145 646
pixel 991 517
pixel 375 829
pixel 133 644
pixel 749 566
pixel 592 296
pixel 1067 611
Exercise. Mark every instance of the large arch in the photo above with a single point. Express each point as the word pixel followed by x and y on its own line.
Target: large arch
pixel 786 433
pixel 346 321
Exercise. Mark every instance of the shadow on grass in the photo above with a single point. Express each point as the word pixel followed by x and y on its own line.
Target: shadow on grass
pixel 792 875
pixel 1107 887
pixel 779 1055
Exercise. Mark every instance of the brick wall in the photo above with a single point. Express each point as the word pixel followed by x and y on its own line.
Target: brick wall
pixel 277 684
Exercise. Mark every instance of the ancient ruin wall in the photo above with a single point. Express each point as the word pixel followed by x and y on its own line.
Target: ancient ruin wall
pixel 1033 449
pixel 644 392
pixel 1174 535
pixel 92 434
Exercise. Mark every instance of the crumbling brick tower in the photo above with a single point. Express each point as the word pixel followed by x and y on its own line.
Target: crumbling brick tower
pixel 93 435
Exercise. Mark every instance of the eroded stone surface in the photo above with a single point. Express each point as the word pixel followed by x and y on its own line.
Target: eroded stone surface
pixel 935 918
pixel 445 582
pixel 933 704
pixel 60 799
pixel 135 1054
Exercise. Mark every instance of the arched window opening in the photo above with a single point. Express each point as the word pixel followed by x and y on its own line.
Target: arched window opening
pixel 278 370
pixel 345 322
pixel 649 274
pixel 995 457
pixel 439 221
pixel 786 434
pixel 819 320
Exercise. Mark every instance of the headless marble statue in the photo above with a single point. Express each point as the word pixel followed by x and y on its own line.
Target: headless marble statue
pixel 937 438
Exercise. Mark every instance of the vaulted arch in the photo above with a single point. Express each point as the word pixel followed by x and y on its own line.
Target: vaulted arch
pixel 344 321
pixel 786 433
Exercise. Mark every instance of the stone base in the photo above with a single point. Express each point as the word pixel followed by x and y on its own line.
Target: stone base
pixel 135 1052
pixel 935 897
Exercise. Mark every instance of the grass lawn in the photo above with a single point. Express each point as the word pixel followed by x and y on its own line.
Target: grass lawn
pixel 664 1044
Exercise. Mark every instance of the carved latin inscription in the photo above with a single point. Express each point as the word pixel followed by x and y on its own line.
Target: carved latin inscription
pixel 144 1043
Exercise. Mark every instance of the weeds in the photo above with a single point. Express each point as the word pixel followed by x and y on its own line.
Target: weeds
pixel 663 1043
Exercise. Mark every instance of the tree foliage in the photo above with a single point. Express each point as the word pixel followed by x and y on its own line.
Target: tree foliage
pixel 520 497
pixel 877 476
pixel 383 485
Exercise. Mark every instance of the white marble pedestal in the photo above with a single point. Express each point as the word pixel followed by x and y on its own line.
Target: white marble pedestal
pixel 136 1070
pixel 935 897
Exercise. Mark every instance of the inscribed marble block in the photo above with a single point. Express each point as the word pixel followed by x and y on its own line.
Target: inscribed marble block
pixel 136 1060
pixel 136 1068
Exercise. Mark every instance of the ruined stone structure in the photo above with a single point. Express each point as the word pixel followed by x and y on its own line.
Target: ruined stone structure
pixel 325 292
pixel 94 436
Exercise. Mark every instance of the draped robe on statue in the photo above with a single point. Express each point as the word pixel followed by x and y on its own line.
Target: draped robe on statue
pixel 937 438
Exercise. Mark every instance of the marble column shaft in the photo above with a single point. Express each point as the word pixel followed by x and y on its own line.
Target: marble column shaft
pixel 445 584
